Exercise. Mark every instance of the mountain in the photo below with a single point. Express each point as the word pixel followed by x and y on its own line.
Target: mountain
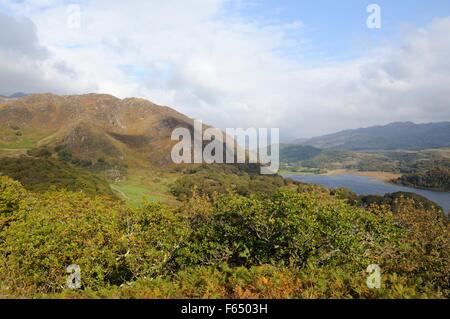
pixel 100 144
pixel 296 153
pixel 17 95
pixel 13 96
pixel 92 127
pixel 400 135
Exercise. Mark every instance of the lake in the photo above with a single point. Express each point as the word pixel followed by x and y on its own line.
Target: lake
pixel 363 185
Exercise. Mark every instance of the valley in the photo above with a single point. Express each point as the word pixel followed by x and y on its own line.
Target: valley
pixel 223 149
pixel 88 180
pixel 399 166
pixel 142 185
pixel 344 163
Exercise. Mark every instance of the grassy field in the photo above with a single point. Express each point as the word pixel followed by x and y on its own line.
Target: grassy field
pixel 24 143
pixel 134 195
pixel 6 152
pixel 149 185
pixel 26 140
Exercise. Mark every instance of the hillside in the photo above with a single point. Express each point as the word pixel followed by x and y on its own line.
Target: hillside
pixel 132 131
pixel 127 142
pixel 295 153
pixel 401 135
pixel 42 174
pixel 4 98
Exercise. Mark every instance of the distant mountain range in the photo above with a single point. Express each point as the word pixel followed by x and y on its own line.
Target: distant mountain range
pixel 17 95
pixel 399 135
pixel 14 96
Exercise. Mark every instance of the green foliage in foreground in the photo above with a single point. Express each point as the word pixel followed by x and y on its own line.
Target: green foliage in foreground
pixel 288 229
pixel 265 281
pixel 43 174
pixel 292 244
pixel 110 243
pixel 11 196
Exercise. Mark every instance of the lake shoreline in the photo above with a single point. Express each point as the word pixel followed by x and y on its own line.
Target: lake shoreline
pixel 387 177
pixel 378 175
pixel 361 184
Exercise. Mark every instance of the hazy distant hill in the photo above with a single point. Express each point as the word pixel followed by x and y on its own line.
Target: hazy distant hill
pixel 91 126
pixel 402 135
pixel 14 96
pixel 17 95
pixel 295 153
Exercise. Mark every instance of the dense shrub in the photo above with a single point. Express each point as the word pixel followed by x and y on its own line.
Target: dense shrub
pixel 42 152
pixel 110 243
pixel 289 228
pixel 64 155
pixel 346 194
pixel 11 196
pixel 156 233
pixel 298 243
pixel 221 179
pixel 43 174
pixel 265 281
pixel 61 229
pixel 424 254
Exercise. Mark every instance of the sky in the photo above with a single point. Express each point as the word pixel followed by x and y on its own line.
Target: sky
pixel 306 67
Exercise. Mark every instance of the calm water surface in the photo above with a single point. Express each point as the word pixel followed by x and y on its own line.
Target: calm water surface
pixel 363 185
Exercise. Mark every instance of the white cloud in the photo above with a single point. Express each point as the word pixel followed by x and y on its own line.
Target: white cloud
pixel 231 71
pixel 26 65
